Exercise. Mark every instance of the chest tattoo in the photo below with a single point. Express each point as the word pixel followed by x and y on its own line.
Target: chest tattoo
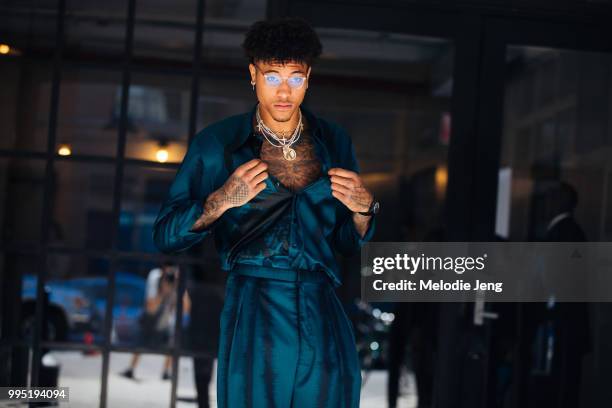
pixel 295 174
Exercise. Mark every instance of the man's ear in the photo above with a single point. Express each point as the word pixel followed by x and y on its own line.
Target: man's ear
pixel 308 73
pixel 253 72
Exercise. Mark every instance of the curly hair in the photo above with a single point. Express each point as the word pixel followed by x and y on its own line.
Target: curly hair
pixel 281 41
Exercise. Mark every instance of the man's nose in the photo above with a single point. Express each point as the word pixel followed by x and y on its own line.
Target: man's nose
pixel 283 89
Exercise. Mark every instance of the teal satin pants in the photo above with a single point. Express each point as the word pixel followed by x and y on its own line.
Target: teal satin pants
pixel 285 342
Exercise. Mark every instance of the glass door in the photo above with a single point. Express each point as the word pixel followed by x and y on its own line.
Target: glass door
pixel 546 139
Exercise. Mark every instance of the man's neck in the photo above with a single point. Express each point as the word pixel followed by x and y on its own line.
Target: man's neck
pixel 280 127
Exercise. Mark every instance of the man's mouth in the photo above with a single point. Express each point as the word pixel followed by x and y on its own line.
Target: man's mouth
pixel 283 106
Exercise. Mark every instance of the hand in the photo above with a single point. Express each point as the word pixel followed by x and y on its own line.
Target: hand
pixel 348 187
pixel 245 183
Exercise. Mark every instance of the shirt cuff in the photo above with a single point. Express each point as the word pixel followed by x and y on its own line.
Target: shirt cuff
pixel 196 211
pixel 369 232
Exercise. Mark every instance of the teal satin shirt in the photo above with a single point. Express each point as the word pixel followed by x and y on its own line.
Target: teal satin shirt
pixel 314 222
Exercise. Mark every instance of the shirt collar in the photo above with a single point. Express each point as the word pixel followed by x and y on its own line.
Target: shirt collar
pixel 556 220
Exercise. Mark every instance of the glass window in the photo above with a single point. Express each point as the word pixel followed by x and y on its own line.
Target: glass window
pixel 19 272
pixel 225 24
pixel 221 97
pixel 145 304
pixel 29 26
pixel 165 30
pixel 22 186
pixel 82 203
pixel 25 97
pixel 554 185
pixel 87 119
pixel 94 28
pixel 144 190
pixel 555 144
pixel 158 117
pixel 78 291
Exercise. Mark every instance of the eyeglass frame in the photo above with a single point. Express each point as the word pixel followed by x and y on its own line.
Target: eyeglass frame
pixel 283 78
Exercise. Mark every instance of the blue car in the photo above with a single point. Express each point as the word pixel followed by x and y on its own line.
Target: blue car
pixel 78 308
pixel 127 308
pixel 69 316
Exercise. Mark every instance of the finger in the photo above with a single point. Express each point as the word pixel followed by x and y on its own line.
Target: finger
pixel 344 181
pixel 244 167
pixel 338 171
pixel 260 187
pixel 251 173
pixel 341 189
pixel 260 177
pixel 340 196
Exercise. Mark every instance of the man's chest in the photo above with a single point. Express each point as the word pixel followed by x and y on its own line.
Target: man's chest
pixel 293 174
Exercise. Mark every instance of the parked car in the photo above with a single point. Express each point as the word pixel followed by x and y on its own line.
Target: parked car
pixel 69 315
pixel 78 307
pixel 128 303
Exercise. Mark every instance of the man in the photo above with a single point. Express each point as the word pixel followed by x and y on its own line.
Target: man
pixel 281 190
pixel 157 322
pixel 552 372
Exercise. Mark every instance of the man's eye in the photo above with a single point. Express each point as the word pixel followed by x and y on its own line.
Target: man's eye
pixel 273 79
pixel 296 81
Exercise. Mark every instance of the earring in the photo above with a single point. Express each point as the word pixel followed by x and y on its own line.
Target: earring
pixel 253 83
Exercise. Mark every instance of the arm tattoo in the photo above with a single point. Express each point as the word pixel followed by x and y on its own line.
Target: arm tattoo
pixel 213 209
pixel 234 192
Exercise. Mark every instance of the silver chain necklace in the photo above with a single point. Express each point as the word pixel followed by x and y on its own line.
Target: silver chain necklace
pixel 288 152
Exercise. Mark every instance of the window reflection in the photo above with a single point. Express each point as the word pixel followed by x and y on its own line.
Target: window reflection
pixel 82 204
pixel 85 122
pixel 165 30
pixel 555 126
pixel 158 117
pixel 145 305
pixel 225 24
pixel 144 190
pixel 20 219
pixel 77 288
pixel 554 186
pixel 19 271
pixel 95 28
pixel 223 97
pixel 25 97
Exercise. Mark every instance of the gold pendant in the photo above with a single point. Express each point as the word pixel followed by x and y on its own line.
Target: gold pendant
pixel 289 153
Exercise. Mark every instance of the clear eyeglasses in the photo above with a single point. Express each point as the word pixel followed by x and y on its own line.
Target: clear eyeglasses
pixel 274 79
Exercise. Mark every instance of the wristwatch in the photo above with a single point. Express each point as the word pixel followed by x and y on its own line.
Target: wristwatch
pixel 374 207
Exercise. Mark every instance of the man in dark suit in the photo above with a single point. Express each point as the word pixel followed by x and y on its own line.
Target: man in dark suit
pixel 562 226
pixel 557 383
